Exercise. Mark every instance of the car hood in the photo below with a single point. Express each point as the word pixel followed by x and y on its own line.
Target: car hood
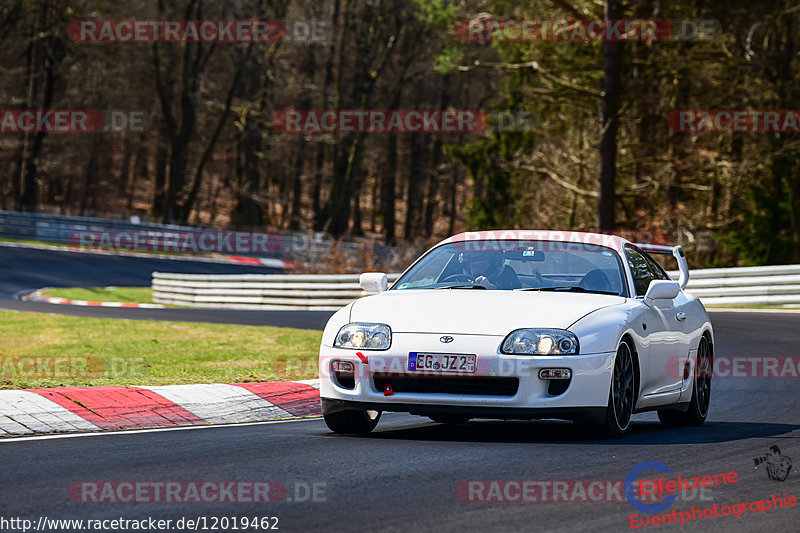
pixel 471 311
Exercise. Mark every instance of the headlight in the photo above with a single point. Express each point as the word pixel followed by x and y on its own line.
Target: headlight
pixel 364 336
pixel 540 342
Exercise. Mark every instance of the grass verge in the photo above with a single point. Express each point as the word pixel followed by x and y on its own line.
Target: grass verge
pixel 41 350
pixel 136 295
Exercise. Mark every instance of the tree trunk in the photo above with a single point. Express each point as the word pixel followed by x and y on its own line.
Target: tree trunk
pixel 40 95
pixel 320 214
pixel 416 183
pixel 612 65
pixel 453 190
pixel 89 177
pixel 159 187
pixel 139 170
pixel 432 203
pixel 188 203
pixel 388 192
pixel 295 214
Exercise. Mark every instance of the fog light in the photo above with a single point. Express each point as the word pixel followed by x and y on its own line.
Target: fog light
pixel 344 374
pixel 342 366
pixel 555 373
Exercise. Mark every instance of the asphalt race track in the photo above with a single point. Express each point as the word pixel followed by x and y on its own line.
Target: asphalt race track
pixel 404 476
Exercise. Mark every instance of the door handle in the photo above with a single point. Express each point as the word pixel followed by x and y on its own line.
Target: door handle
pixel 681 316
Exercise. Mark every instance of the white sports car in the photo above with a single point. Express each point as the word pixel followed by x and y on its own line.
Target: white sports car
pixel 522 325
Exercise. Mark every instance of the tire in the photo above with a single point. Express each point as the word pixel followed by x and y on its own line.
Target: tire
pixel 449 419
pixel 621 394
pixel 701 391
pixel 352 422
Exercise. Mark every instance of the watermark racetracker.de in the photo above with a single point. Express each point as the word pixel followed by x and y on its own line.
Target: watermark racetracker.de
pixel 588 30
pixel 734 121
pixel 199 31
pixel 182 241
pixel 68 366
pixel 74 120
pixel 563 491
pixel 200 491
pixel 737 366
pixel 317 121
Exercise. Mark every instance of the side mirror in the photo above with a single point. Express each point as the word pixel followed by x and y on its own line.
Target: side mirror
pixel 373 281
pixel 661 289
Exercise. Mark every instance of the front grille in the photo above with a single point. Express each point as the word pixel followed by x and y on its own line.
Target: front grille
pixel 489 386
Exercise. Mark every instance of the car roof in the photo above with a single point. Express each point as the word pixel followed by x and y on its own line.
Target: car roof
pixel 614 242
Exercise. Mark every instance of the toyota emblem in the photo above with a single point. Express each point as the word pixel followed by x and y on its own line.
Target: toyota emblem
pixel 447 339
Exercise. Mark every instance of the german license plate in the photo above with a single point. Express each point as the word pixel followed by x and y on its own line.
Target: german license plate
pixel 454 363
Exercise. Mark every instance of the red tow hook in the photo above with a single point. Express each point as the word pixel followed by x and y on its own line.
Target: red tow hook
pixel 387 390
pixel 363 358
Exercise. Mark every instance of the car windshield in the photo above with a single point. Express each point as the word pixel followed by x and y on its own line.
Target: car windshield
pixel 518 265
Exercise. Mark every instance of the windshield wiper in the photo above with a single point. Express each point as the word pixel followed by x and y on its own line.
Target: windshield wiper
pixel 467 286
pixel 571 288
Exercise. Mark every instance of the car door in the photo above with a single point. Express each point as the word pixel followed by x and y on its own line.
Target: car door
pixel 681 323
pixel 676 312
pixel 661 334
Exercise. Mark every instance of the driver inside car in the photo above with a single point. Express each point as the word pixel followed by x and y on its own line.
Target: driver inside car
pixel 488 270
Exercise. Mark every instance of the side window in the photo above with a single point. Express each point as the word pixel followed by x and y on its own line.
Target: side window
pixel 658 272
pixel 427 270
pixel 642 273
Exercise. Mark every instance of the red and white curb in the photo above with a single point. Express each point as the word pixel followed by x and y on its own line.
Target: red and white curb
pixel 77 409
pixel 36 296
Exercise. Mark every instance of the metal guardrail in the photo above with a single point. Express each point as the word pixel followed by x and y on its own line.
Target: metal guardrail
pixel 309 292
pixel 772 285
pixel 763 285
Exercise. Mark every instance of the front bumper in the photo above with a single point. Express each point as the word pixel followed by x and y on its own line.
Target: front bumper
pixel 531 397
